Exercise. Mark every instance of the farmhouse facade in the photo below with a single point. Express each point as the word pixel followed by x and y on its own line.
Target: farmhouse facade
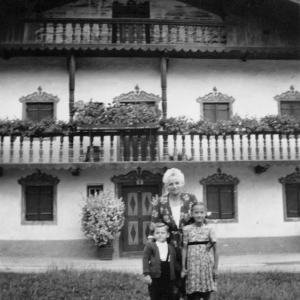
pixel 199 59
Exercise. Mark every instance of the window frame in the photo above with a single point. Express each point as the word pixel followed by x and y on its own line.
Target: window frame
pixel 289 179
pixel 219 179
pixel 216 98
pixel 39 97
pixel 93 185
pixel 38 179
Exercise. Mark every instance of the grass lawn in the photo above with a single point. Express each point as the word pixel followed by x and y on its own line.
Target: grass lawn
pixel 79 285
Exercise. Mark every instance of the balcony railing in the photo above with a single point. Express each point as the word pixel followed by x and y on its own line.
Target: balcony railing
pixel 122 31
pixel 94 147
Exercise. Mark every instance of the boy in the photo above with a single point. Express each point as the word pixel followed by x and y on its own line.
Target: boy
pixel 160 265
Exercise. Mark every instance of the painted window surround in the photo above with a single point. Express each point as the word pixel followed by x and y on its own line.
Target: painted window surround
pixel 215 97
pixel 289 96
pixel 218 179
pixel 39 97
pixel 291 178
pixel 38 179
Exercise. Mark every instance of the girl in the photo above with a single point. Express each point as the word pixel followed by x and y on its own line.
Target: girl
pixel 197 265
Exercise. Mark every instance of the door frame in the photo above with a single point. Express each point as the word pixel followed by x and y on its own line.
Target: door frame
pixel 138 177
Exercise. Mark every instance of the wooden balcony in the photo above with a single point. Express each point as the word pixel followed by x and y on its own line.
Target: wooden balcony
pixel 107 147
pixel 126 32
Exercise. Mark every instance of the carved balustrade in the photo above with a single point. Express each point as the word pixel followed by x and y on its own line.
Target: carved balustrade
pixel 99 147
pixel 122 31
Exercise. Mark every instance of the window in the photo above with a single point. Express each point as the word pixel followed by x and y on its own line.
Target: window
pixel 38 111
pixel 39 199
pixel 216 111
pixel 93 189
pixel 289 103
pixel 291 196
pixel 215 106
pixel 220 201
pixel 220 196
pixel 39 105
pixel 39 203
pixel 290 108
pixel 292 193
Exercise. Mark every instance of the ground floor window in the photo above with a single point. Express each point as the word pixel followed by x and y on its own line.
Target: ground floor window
pixel 39 199
pixel 220 201
pixel 291 195
pixel 39 203
pixel 292 191
pixel 93 189
pixel 220 196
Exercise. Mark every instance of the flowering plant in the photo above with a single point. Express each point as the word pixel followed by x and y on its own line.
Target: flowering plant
pixel 128 114
pixel 31 128
pixel 102 218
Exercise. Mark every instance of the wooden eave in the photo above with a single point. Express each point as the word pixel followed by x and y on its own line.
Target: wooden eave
pixel 179 51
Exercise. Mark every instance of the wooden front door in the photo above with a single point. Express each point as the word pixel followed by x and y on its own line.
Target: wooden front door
pixel 138 210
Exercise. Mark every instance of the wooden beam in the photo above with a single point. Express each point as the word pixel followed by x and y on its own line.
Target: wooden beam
pixel 71 66
pixel 163 72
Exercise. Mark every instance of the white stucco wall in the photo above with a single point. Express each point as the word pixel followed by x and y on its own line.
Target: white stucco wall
pixel 259 208
pixel 253 83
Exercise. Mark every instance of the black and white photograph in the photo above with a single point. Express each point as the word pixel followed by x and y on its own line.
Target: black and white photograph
pixel 149 149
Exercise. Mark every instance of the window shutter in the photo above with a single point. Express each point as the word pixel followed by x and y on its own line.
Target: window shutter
pixel 46 203
pixel 213 204
pixel 222 111
pixel 45 110
pixel 292 202
pixel 209 111
pixel 32 111
pixel 32 203
pixel 227 201
pixel 296 110
pixel 38 111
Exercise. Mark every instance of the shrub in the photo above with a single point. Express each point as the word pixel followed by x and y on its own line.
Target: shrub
pixel 102 218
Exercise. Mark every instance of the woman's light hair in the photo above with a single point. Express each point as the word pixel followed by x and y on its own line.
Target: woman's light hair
pixel 173 172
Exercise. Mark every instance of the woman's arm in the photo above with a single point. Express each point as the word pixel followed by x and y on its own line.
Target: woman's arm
pixel 184 253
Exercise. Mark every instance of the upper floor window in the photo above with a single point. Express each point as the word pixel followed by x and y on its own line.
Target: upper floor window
pixel 39 105
pixel 216 111
pixel 220 196
pixel 291 196
pixel 39 200
pixel 38 111
pixel 215 106
pixel 289 103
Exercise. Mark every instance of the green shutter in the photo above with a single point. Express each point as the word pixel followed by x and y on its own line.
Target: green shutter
pixel 46 203
pixel 32 203
pixel 227 201
pixel 213 204
pixel 292 200
pixel 222 111
pixel 209 111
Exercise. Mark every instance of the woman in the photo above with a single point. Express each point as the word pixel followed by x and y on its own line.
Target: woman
pixel 173 209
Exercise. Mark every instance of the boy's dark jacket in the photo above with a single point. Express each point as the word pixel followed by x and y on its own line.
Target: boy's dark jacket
pixel 151 261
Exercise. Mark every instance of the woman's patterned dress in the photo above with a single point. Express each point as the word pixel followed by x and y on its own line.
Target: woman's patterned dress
pixel 199 260
pixel 162 212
